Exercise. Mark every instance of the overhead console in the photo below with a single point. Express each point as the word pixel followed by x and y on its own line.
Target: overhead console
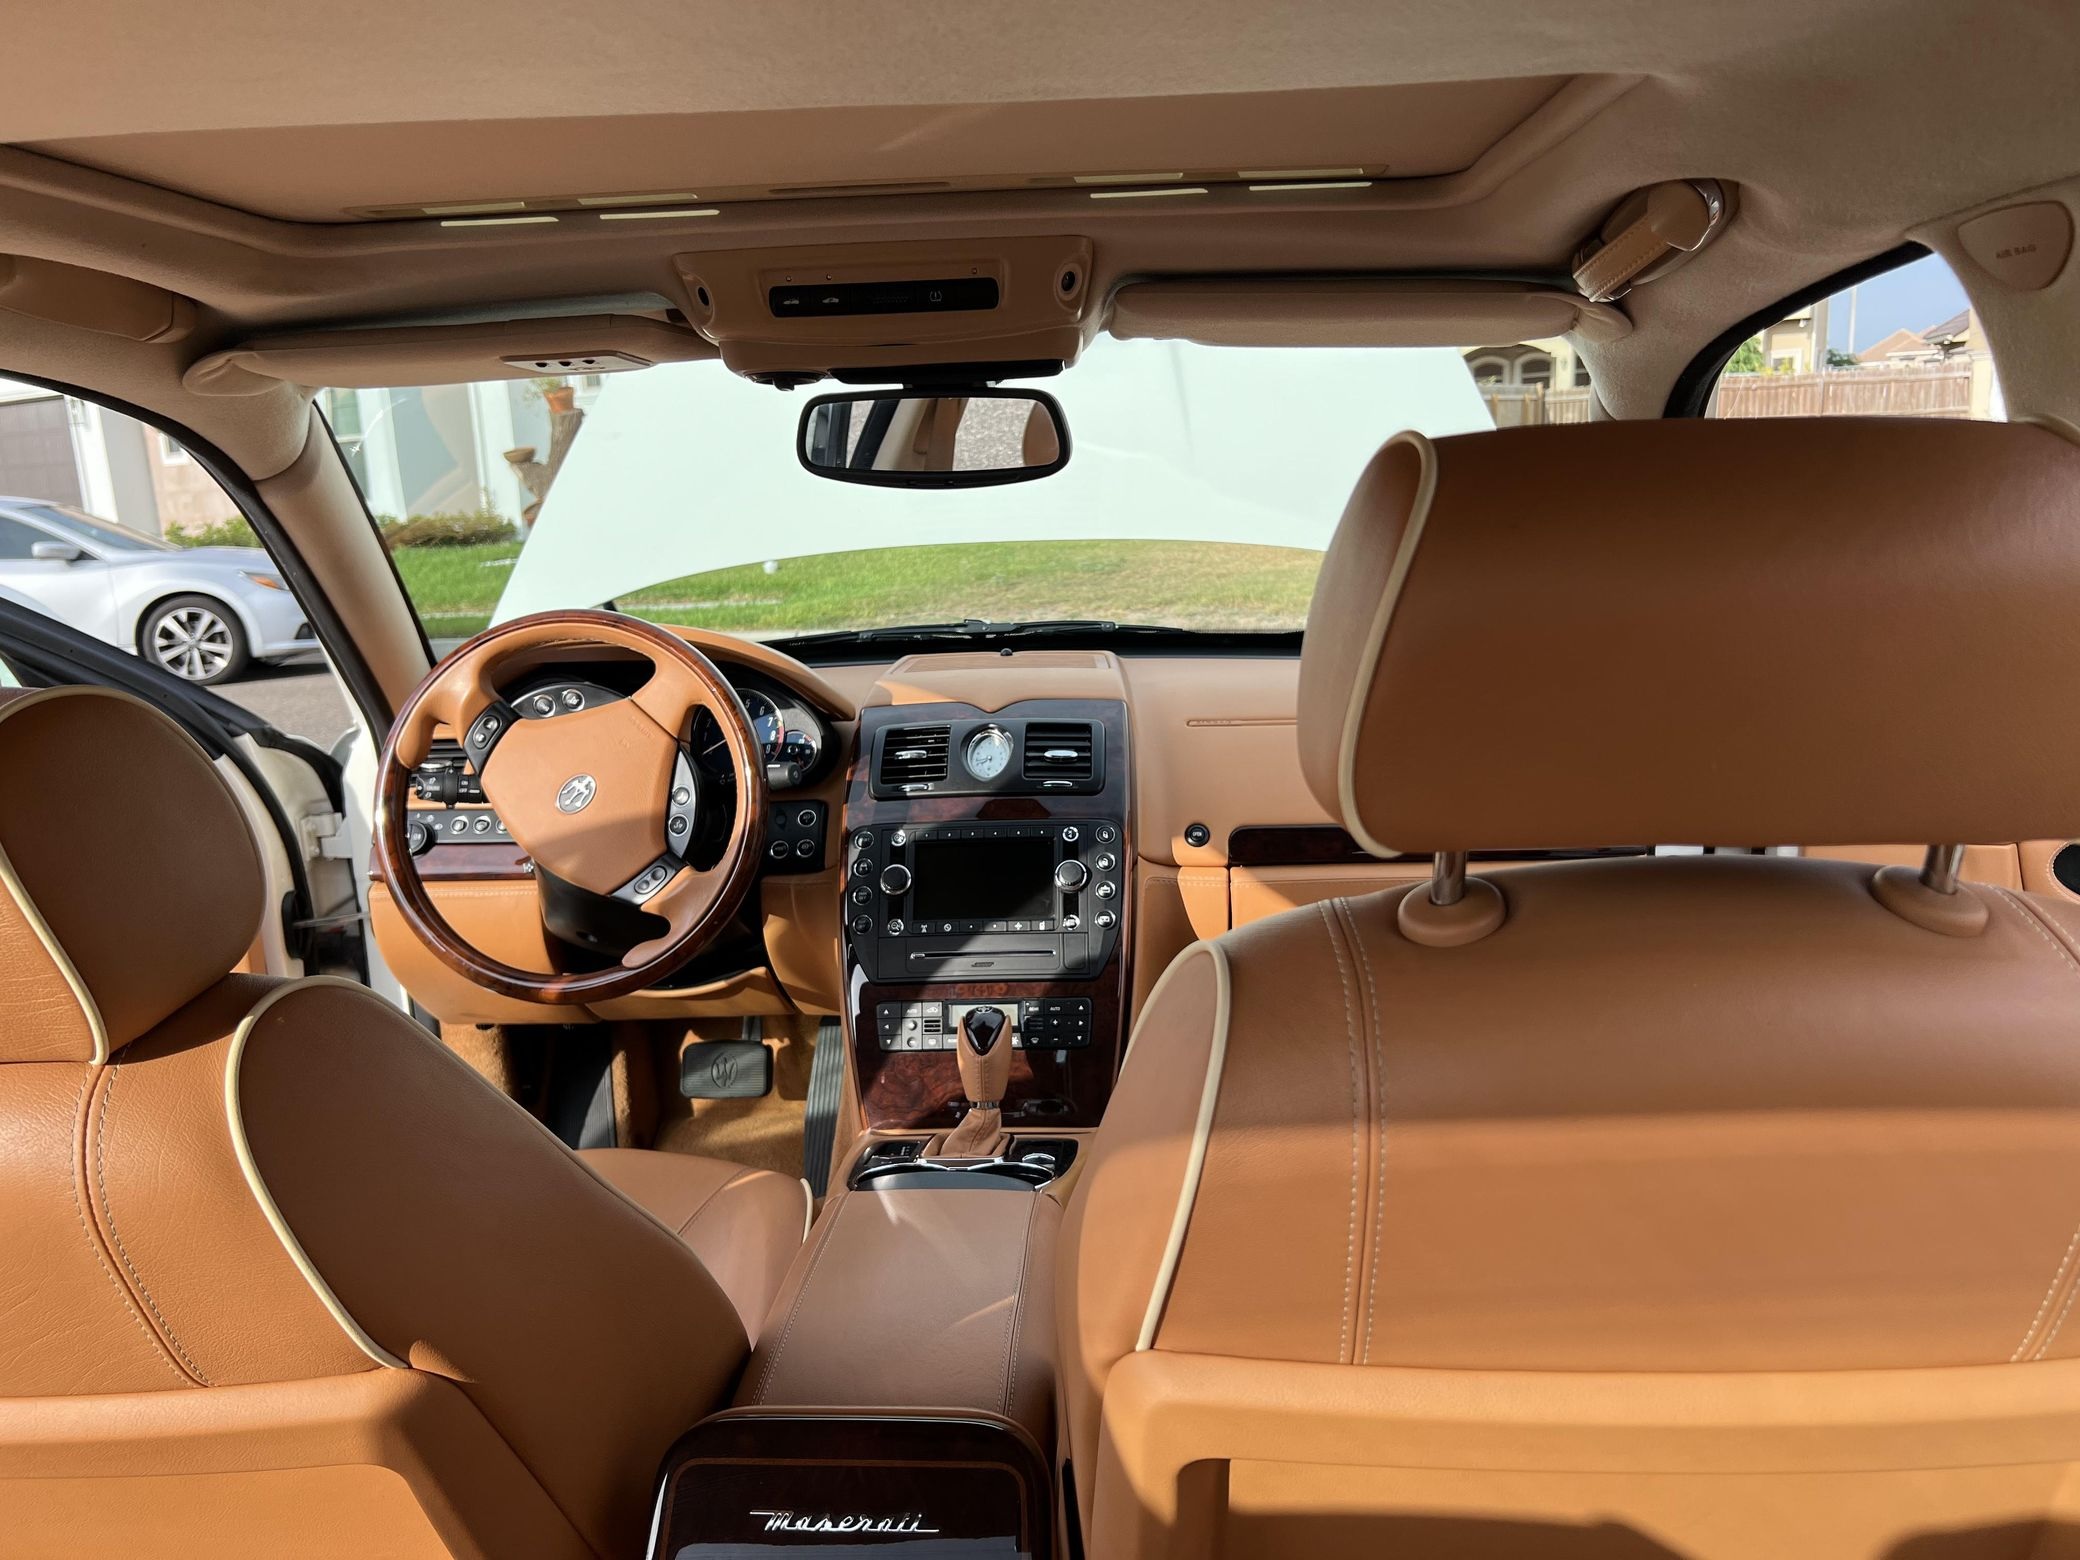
pixel 867 311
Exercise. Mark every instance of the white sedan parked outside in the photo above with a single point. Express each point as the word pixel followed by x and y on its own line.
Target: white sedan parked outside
pixel 203 613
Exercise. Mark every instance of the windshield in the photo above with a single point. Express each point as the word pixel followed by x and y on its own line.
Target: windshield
pixel 102 535
pixel 1202 487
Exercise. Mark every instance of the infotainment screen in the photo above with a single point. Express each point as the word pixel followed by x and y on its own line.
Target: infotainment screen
pixel 982 880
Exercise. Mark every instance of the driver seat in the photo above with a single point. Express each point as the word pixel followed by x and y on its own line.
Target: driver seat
pixel 282 1275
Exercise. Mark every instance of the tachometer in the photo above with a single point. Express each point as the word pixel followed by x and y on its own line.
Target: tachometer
pixel 987 754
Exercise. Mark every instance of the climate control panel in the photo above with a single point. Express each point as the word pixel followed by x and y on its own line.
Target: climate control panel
pixel 1042 1024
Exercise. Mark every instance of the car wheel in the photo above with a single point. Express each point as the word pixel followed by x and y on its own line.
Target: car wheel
pixel 197 638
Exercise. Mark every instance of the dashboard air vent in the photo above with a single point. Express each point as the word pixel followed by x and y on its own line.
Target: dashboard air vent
pixel 1060 751
pixel 913 757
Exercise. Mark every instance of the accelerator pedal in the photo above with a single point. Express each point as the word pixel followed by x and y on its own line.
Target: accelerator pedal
pixel 820 1119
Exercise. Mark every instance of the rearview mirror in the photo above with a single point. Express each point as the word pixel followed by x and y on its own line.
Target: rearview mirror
pixel 972 437
pixel 56 552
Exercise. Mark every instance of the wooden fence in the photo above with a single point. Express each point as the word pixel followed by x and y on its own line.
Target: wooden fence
pixel 1854 392
pixel 1527 406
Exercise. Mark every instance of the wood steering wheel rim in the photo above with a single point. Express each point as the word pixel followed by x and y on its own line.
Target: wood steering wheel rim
pixel 523 778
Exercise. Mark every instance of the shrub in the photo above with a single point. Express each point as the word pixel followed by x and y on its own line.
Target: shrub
pixel 235 532
pixel 471 529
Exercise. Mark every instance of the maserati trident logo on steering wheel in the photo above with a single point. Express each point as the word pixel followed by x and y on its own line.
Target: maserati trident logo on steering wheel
pixel 577 792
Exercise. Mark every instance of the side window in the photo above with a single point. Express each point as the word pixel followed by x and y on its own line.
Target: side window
pixel 17 539
pixel 170 570
pixel 1903 344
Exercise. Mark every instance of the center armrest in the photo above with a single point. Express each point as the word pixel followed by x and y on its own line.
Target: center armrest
pixel 936 1297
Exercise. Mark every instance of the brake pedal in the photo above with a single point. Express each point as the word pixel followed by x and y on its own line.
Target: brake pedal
pixel 728 1069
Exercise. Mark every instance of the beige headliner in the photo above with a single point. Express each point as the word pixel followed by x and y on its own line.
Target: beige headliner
pixel 1494 134
pixel 1845 122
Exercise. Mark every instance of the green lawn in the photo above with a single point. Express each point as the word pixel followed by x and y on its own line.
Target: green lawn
pixel 1193 585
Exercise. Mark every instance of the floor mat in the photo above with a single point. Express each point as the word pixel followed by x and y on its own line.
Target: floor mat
pixel 763 1134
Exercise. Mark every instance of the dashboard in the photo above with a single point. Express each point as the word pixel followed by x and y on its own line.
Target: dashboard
pixel 919 847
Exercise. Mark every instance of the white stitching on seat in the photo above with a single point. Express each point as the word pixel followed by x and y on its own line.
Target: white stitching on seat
pixel 235 1116
pixel 772 1364
pixel 12 885
pixel 1375 1051
pixel 108 1213
pixel 1350 1249
pixel 1018 1307
pixel 2030 919
pixel 75 1172
pixel 1202 1131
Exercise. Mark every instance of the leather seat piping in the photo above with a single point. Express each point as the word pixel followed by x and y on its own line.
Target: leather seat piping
pixel 1202 1131
pixel 235 1115
pixel 11 881
pixel 1376 638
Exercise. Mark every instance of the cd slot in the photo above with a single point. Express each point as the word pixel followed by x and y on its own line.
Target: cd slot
pixel 977 957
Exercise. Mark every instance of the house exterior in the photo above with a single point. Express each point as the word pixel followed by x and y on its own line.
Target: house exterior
pixel 70 451
pixel 1955 337
pixel 442 449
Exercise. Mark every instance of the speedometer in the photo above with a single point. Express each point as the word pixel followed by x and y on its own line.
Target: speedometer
pixel 987 754
pixel 765 723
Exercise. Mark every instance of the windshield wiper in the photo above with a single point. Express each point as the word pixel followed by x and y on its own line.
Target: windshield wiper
pixel 1066 631
pixel 974 629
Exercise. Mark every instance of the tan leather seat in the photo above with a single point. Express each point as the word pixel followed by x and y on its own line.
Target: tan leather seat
pixel 745 1225
pixel 1691 1206
pixel 279 1274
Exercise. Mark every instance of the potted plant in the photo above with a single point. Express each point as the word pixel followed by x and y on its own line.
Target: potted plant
pixel 559 395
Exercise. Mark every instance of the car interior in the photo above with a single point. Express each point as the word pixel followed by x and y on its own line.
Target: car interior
pixel 1549 1028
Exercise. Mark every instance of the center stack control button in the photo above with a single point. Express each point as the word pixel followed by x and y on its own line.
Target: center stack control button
pixel 895 879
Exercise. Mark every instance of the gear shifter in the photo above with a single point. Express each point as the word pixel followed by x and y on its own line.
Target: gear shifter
pixel 984 1052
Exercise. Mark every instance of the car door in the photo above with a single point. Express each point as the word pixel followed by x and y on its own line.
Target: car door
pixel 76 592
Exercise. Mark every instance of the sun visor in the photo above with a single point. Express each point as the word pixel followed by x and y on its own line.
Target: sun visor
pixel 1356 311
pixel 445 354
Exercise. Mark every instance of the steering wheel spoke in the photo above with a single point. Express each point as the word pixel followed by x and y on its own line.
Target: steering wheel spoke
pixel 604 798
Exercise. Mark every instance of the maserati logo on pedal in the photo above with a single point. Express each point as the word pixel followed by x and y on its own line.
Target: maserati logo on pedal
pixel 577 792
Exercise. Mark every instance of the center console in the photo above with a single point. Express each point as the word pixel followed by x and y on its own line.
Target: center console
pixel 988 862
pixel 902 1391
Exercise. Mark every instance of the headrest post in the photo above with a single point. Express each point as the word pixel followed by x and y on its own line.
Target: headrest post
pixel 1940 869
pixel 1448 877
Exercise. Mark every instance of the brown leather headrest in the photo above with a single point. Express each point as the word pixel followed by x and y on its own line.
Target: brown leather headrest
pixel 1699 632
pixel 129 882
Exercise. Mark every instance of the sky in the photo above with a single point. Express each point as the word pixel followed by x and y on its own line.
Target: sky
pixel 1913 297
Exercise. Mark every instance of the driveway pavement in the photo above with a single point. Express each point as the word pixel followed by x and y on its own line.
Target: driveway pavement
pixel 303 700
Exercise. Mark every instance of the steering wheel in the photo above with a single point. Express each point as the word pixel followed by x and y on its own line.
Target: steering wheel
pixel 602 794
